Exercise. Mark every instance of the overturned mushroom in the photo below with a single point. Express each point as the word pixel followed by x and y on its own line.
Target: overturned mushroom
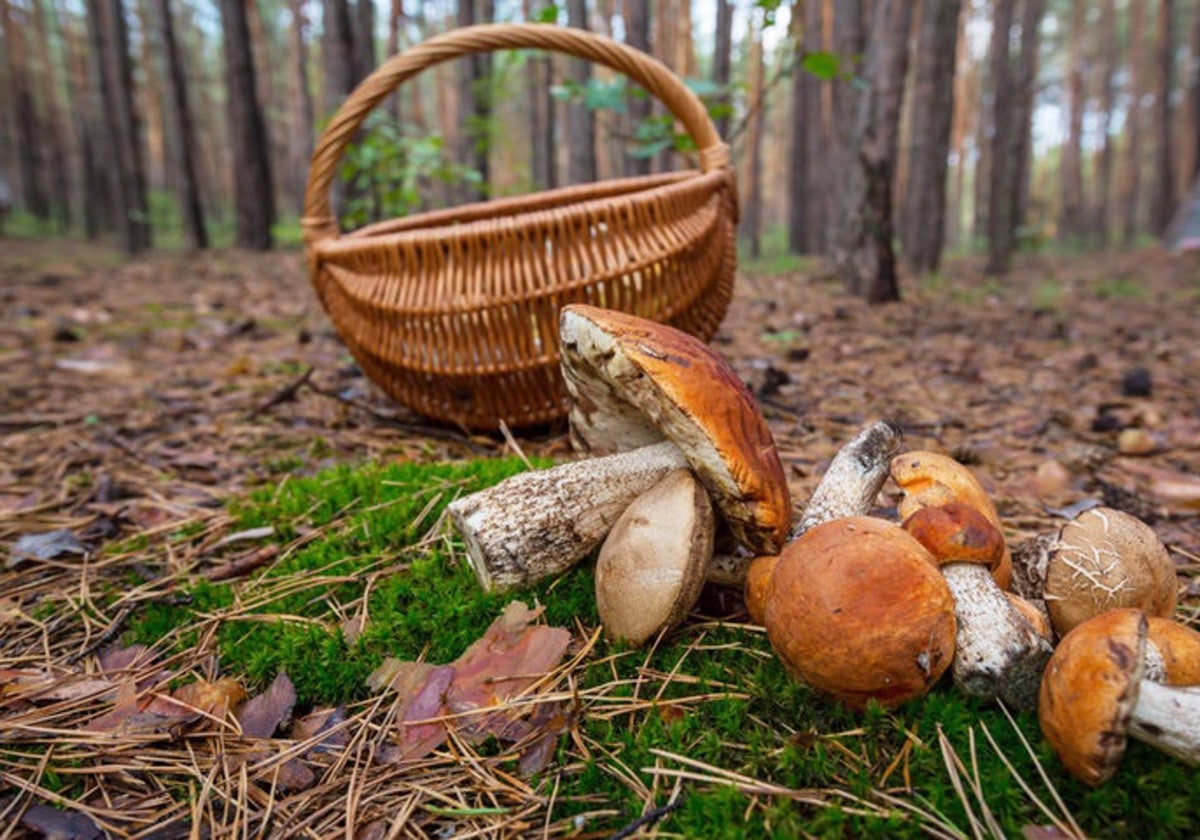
pixel 660 400
pixel 1102 559
pixel 999 652
pixel 1094 695
pixel 651 567
pixel 849 488
pixel 856 609
pixel 930 479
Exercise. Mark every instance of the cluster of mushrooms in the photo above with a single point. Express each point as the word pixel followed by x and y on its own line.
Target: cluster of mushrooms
pixel 683 485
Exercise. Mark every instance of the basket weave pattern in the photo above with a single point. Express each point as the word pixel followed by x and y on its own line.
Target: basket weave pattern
pixel 454 313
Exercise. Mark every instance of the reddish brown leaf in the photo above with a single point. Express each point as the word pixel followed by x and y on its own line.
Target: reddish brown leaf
pixel 262 715
pixel 56 824
pixel 213 699
pixel 143 714
pixel 322 721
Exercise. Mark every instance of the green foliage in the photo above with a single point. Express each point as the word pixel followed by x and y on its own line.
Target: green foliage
pixel 710 701
pixel 823 65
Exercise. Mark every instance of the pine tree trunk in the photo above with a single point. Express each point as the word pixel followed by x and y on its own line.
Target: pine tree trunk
pixel 849 44
pixel 751 178
pixel 253 196
pixel 57 160
pixel 923 228
pixel 1070 219
pixel 300 148
pixel 581 123
pixel 966 111
pixel 863 253
pixel 1164 192
pixel 1024 90
pixel 1131 186
pixel 542 170
pixel 637 35
pixel 1106 61
pixel 798 168
pixel 26 127
pixel 188 181
pixel 1001 222
pixel 722 60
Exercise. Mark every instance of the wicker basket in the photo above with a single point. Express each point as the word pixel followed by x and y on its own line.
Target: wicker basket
pixel 455 312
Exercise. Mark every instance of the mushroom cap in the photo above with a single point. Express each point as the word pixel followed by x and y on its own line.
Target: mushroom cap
pixel 1089 690
pixel 650 569
pixel 1178 646
pixel 957 533
pixel 758 579
pixel 1104 559
pixel 634 382
pixel 857 609
pixel 930 479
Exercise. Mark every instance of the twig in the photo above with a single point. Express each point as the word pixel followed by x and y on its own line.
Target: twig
pixel 649 818
pixel 285 394
pixel 242 566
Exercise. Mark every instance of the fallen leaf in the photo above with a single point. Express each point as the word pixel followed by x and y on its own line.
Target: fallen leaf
pixel 424 689
pixel 322 722
pixel 214 699
pixel 1179 491
pixel 263 714
pixel 55 823
pixel 45 546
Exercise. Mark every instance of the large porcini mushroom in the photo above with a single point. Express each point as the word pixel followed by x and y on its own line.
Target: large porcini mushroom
pixel 1094 695
pixel 849 487
pixel 1102 559
pixel 660 400
pixel 856 609
pixel 1172 652
pixel 998 652
pixel 930 479
pixel 651 567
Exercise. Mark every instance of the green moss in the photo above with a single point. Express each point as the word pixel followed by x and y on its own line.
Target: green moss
pixel 728 711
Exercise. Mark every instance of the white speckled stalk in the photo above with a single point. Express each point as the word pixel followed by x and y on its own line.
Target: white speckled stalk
pixel 1168 719
pixel 541 523
pixel 998 653
pixel 854 478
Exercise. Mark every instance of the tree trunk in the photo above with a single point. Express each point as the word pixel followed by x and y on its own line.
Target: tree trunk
pixel 967 106
pixel 1106 67
pixel 722 59
pixel 27 128
pixel 923 229
pixel 57 160
pixel 111 41
pixel 849 44
pixel 1194 97
pixel 637 35
pixel 863 249
pixel 1164 193
pixel 581 123
pixel 474 106
pixel 1131 187
pixel 542 170
pixel 187 180
pixel 1070 219
pixel 751 179
pixel 1001 222
pixel 1024 90
pixel 338 47
pixel 253 197
pixel 300 147
pixel 362 29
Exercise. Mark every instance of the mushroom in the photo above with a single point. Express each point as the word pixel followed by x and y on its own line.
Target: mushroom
pixel 651 567
pixel 660 400
pixel 1100 560
pixel 999 652
pixel 930 479
pixel 849 487
pixel 1094 695
pixel 856 609
pixel 1172 652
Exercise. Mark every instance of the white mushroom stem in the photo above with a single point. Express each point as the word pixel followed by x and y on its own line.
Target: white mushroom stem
pixel 854 478
pixel 538 524
pixel 1168 719
pixel 998 652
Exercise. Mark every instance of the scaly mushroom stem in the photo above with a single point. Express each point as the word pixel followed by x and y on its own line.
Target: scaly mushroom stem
pixel 998 652
pixel 854 478
pixel 541 523
pixel 1168 719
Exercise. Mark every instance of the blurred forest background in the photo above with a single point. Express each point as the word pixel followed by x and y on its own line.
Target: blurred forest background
pixel 857 126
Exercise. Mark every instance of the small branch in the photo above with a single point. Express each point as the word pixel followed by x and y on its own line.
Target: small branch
pixel 242 566
pixel 285 394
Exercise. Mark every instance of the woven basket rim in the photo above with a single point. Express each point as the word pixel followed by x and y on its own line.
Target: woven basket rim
pixel 484 216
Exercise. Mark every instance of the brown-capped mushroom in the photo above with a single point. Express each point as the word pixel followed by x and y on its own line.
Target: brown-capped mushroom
pixel 1172 652
pixel 660 400
pixel 1094 695
pixel 998 651
pixel 856 609
pixel 1102 559
pixel 930 479
pixel 849 487
pixel 651 567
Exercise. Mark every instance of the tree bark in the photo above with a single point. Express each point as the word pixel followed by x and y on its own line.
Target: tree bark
pixel 807 187
pixel 338 47
pixel 967 107
pixel 751 199
pixel 923 230
pixel 1164 192
pixel 848 44
pixel 111 44
pixel 58 168
pixel 253 196
pixel 542 170
pixel 1024 91
pixel 637 35
pixel 722 63
pixel 27 129
pixel 1131 186
pixel 300 148
pixel 187 177
pixel 1106 66
pixel 581 123
pixel 863 249
pixel 1070 219
pixel 1001 222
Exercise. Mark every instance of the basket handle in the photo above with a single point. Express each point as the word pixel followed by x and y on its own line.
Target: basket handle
pixel 320 223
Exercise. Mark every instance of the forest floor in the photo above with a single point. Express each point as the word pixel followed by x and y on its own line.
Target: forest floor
pixel 137 396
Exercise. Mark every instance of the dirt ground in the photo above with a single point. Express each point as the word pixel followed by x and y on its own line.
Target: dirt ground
pixel 134 394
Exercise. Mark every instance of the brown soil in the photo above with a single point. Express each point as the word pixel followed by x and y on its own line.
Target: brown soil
pixel 134 394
